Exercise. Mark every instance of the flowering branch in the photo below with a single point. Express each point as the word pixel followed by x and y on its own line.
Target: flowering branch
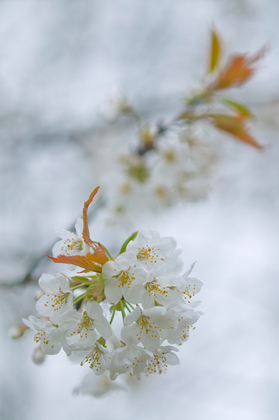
pixel 238 69
pixel 169 163
pixel 184 161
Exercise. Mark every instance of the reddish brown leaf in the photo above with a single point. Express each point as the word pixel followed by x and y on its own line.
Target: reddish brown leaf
pixel 234 125
pixel 100 254
pixel 85 232
pixel 90 262
pixel 238 70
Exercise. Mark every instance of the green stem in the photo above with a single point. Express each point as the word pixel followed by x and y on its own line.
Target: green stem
pixel 131 306
pixel 79 298
pixel 122 309
pixel 78 286
pixel 127 307
pixel 112 316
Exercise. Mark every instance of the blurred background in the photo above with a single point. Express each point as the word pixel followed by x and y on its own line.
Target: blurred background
pixel 60 64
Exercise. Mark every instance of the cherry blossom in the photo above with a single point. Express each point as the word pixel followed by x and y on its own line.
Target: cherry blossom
pixel 71 243
pixel 83 329
pixel 146 326
pixel 156 253
pixel 58 297
pixel 48 334
pixel 121 276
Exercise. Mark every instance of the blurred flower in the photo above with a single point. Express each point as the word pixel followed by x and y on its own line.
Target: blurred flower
pixel 38 355
pixel 17 331
pixel 97 386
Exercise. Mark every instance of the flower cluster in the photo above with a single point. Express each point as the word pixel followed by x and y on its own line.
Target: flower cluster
pixel 179 169
pixel 143 283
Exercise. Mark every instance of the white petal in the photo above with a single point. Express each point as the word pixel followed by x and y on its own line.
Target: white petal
pixel 104 328
pixel 113 293
pixel 133 316
pixel 94 310
pixel 46 283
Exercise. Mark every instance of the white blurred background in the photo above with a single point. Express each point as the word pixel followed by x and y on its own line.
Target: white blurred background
pixel 60 63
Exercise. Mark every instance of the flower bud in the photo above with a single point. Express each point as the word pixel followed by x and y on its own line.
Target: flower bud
pixel 38 356
pixel 17 331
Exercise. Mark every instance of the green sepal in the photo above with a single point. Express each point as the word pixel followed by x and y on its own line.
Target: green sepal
pixel 102 341
pixel 117 307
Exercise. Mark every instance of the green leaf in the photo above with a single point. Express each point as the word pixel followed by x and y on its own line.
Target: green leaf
pixel 131 238
pixel 215 53
pixel 242 109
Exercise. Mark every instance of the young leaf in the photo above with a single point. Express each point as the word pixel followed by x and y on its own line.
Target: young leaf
pixel 90 262
pixel 234 126
pixel 215 53
pixel 131 238
pixel 85 232
pixel 240 108
pixel 238 70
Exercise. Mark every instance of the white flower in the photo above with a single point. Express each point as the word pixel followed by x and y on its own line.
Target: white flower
pixel 71 243
pixel 156 253
pixel 120 276
pixel 180 330
pixel 97 359
pixel 192 285
pixel 128 359
pixel 81 330
pixel 163 357
pixel 146 326
pixel 162 290
pixel 48 334
pixel 171 291
pixel 58 297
